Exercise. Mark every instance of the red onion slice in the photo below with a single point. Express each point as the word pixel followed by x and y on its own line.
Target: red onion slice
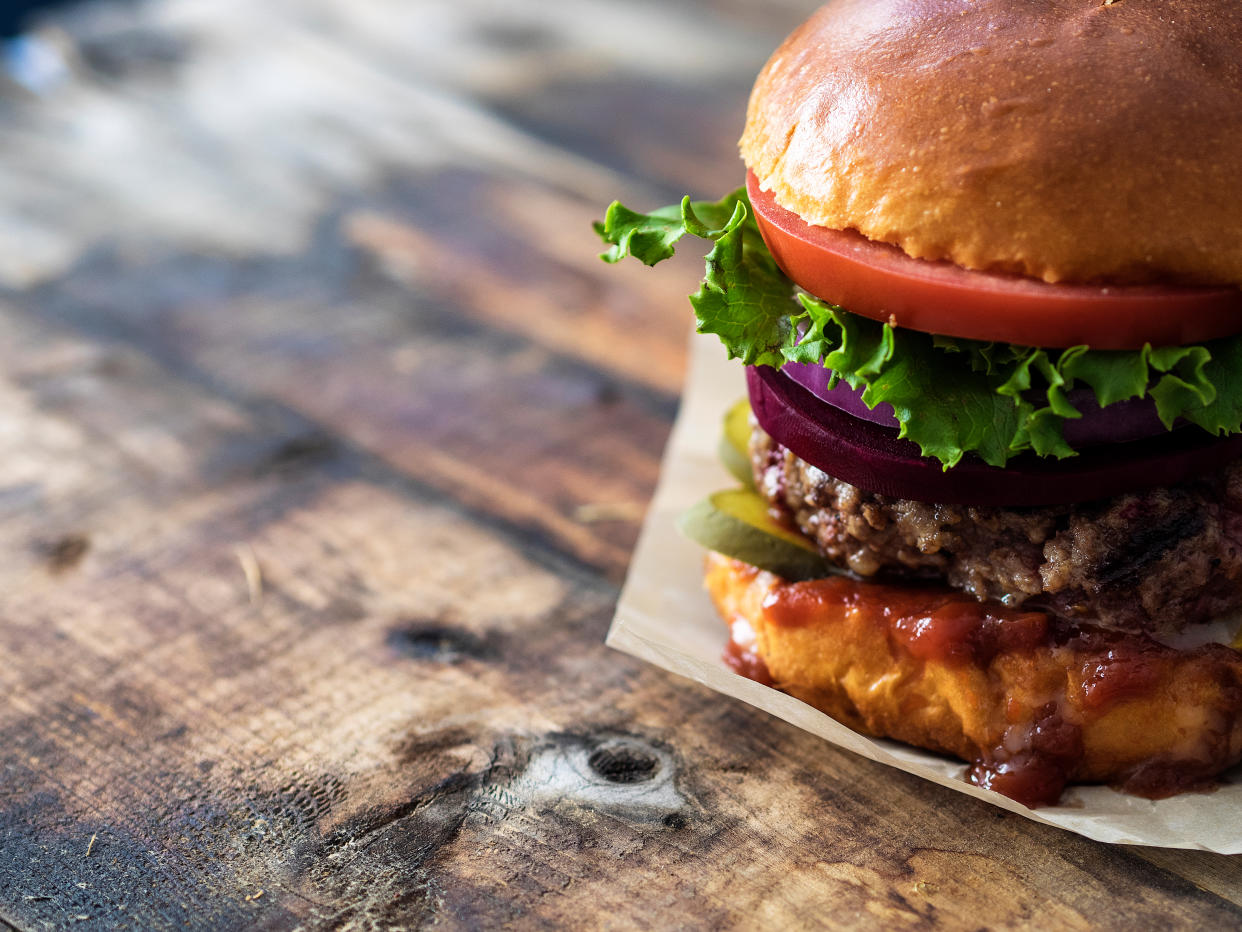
pixel 816 378
pixel 873 458
pixel 1120 422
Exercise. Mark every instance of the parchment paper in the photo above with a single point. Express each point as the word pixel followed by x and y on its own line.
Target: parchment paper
pixel 665 618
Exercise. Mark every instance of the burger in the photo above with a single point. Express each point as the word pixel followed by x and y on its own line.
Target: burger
pixel 984 275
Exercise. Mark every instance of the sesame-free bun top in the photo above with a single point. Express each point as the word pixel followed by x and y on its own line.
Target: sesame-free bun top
pixel 1069 140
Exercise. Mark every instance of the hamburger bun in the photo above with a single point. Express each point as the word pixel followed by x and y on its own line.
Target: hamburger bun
pixel 1066 140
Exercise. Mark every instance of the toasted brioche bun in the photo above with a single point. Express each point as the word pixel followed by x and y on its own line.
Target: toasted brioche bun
pixel 1068 140
pixel 1181 728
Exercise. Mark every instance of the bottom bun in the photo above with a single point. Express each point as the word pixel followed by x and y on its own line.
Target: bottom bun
pixel 1029 702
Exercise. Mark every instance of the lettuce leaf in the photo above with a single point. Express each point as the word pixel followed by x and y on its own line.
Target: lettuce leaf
pixel 951 396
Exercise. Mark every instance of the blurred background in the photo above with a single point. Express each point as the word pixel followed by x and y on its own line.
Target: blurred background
pixel 390 200
pixel 15 14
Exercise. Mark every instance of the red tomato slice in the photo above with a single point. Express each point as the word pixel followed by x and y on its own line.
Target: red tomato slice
pixel 880 281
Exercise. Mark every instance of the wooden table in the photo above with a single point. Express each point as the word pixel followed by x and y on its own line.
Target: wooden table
pixel 325 440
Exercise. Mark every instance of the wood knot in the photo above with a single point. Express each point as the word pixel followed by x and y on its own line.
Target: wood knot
pixel 622 762
pixel 438 642
pixel 64 553
pixel 301 451
pixel 617 773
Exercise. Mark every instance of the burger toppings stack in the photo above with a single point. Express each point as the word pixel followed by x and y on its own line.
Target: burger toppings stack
pixel 984 274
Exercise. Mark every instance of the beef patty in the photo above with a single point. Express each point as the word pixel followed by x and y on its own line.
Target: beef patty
pixel 1152 561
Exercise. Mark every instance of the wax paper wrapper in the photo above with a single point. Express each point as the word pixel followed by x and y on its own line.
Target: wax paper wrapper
pixel 665 617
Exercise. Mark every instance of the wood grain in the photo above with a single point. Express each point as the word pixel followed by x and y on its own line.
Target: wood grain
pixel 324 439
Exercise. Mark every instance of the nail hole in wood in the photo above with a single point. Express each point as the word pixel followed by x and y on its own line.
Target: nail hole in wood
pixel 623 763
pixel 66 552
pixel 436 642
pixel 300 451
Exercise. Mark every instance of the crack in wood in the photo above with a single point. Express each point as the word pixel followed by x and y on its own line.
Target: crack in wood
pixel 448 799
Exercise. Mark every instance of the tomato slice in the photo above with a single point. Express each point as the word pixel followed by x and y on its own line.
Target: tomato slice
pixel 879 281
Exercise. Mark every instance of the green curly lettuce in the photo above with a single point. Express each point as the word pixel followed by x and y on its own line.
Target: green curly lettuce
pixel 950 396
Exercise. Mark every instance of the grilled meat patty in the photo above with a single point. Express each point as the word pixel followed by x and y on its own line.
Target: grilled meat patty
pixel 1154 561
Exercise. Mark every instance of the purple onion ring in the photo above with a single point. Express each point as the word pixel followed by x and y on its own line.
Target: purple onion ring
pixel 1123 421
pixel 873 458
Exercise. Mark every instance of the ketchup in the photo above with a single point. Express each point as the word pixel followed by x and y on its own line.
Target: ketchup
pixel 1121 671
pixel 931 624
pixel 973 632
pixel 745 661
pixel 1034 760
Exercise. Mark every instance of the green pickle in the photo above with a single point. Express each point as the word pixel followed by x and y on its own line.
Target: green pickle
pixel 733 447
pixel 736 523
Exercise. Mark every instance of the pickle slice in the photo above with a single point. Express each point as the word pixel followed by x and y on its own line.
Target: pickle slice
pixel 734 441
pixel 736 523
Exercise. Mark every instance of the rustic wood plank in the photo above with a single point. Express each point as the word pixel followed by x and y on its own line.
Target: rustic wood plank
pixel 237 710
pixel 413 382
pixel 323 442
pixel 518 257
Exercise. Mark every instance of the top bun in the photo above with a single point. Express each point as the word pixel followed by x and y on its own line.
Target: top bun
pixel 1068 140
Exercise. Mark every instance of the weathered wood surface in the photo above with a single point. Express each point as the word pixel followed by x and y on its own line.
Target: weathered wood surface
pixel 324 439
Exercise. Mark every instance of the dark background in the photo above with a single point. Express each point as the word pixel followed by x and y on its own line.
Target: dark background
pixel 15 14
